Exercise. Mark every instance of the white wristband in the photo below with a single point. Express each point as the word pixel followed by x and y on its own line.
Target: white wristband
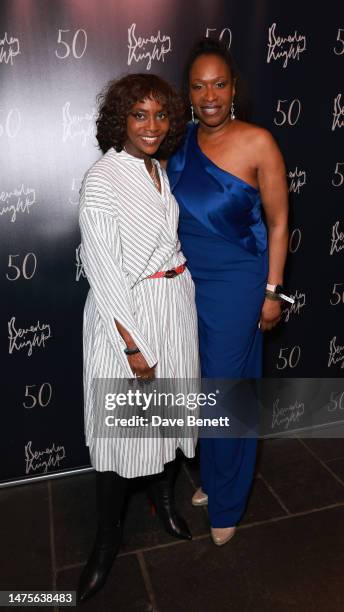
pixel 271 287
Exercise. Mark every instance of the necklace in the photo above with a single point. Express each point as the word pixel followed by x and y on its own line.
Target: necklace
pixel 152 173
pixel 154 176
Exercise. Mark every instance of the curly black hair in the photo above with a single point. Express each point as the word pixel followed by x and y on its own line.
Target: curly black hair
pixel 212 46
pixel 118 98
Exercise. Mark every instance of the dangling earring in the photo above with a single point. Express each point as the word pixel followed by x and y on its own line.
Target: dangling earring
pixel 192 114
pixel 232 111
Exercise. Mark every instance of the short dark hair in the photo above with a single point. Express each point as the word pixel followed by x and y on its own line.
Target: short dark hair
pixel 212 46
pixel 118 98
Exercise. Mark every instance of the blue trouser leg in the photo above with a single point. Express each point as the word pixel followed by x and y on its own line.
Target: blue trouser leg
pixel 227 468
pixel 230 348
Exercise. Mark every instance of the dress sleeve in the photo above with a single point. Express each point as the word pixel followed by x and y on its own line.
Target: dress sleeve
pixel 101 256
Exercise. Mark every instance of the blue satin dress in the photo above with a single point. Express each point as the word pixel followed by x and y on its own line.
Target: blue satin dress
pixel 224 239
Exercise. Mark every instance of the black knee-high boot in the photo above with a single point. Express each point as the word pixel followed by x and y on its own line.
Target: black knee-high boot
pixel 111 490
pixel 161 490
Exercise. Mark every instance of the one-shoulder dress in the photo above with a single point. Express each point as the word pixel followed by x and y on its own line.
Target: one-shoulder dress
pixel 224 239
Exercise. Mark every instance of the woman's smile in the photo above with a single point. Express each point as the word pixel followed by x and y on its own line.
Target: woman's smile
pixel 210 109
pixel 147 127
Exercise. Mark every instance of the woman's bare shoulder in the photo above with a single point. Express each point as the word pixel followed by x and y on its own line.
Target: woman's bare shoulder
pixel 258 144
pixel 254 134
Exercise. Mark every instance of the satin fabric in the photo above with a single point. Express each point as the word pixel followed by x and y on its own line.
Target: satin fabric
pixel 224 239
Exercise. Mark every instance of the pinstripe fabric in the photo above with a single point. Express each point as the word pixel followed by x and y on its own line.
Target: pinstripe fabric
pixel 129 231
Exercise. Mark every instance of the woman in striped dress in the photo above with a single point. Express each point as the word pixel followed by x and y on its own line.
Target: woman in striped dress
pixel 138 322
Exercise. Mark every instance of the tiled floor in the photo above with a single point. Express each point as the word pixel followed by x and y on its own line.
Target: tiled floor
pixel 288 554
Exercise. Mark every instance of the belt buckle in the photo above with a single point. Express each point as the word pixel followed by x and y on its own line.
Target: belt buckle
pixel 170 273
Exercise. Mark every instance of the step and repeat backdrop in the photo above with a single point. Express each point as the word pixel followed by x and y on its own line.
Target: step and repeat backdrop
pixel 55 57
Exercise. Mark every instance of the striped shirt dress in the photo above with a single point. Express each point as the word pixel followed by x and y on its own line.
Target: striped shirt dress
pixel 128 232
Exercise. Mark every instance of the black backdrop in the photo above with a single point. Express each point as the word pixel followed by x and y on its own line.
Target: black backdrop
pixel 54 58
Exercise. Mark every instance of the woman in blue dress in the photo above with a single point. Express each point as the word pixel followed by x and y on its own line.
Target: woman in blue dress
pixel 224 174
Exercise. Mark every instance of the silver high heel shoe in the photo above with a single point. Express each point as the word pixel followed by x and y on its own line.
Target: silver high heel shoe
pixel 199 498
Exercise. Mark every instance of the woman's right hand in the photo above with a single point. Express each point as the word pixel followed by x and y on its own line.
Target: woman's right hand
pixel 140 367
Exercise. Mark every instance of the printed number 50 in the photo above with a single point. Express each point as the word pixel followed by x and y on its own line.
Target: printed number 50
pixel 221 36
pixel 67 47
pixel 288 116
pixel 24 268
pixel 339 295
pixel 340 174
pixel 340 50
pixel 41 401
pixel 290 360
pixel 336 401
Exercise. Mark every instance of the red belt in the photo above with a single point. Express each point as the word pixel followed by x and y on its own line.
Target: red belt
pixel 169 273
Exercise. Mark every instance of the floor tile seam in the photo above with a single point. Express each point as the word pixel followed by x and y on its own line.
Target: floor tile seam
pixel 292 515
pixel 275 519
pixel 333 459
pixel 319 460
pixel 52 540
pixel 274 493
pixel 52 536
pixel 147 581
pixel 135 551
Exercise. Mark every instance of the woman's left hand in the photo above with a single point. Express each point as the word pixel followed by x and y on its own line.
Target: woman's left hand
pixel 270 315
